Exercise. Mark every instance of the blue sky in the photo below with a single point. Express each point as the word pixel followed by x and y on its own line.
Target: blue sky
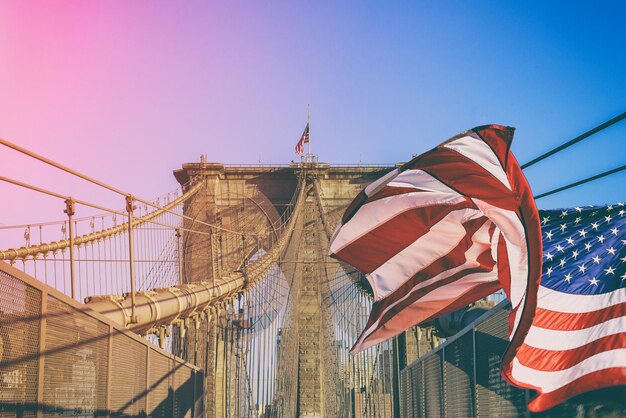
pixel 127 92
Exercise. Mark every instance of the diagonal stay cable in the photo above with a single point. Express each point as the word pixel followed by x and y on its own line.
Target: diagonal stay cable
pixel 576 140
pixel 578 183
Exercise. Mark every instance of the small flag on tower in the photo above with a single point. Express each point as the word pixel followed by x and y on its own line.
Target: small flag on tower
pixel 304 139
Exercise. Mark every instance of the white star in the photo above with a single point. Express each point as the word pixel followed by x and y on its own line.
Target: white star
pixel 609 208
pixel 624 276
pixel 575 254
pixel 611 251
pixel 568 277
pixel 577 220
pixel 596 259
pixel 563 214
pixel 549 256
pixel 620 204
pixel 559 248
pixel 549 272
pixel 549 234
pixel 610 270
pixel 594 281
pixel 588 246
pixel 578 209
pixel 594 213
pixel 545 220
pixel 614 231
pixel 562 262
pixel 570 241
pixel 582 268
pixel 594 225
pixel 623 259
pixel 582 232
pixel 563 227
pixel 601 238
pixel 621 212
pixel 607 218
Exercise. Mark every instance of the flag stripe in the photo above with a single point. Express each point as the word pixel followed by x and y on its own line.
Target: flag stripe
pixel 376 185
pixel 594 380
pixel 478 151
pixel 390 191
pixel 421 311
pixel 504 269
pixel 395 237
pixel 304 139
pixel 551 339
pixel 554 380
pixel 555 360
pixel 422 180
pixel 470 252
pixel 466 177
pixel 514 236
pixel 572 303
pixel 435 244
pixel 548 319
pixel 370 216
pixel 499 140
pixel 470 256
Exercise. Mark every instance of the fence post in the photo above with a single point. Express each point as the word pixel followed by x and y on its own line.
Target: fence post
pixel 193 393
pixel 129 210
pixel 148 388
pixel 109 370
pixel 474 392
pixel 443 382
pixel 42 349
pixel 69 210
pixel 399 360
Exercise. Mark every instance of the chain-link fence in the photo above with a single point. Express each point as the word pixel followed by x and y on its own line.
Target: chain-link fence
pixel 461 378
pixel 57 358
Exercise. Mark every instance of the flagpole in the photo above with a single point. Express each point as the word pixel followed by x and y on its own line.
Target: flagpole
pixel 308 122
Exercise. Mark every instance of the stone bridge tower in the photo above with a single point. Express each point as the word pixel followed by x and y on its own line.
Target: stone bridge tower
pixel 264 194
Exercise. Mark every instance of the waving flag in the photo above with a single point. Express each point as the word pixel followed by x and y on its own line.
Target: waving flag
pixel 446 229
pixel 577 340
pixel 304 139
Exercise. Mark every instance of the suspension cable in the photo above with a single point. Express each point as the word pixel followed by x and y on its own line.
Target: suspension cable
pixel 578 183
pixel 57 195
pixel 99 183
pixel 576 140
pixel 59 166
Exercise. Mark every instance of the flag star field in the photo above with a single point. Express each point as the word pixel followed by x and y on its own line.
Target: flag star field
pixel 582 249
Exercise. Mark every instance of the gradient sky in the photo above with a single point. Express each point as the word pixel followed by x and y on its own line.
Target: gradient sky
pixel 128 91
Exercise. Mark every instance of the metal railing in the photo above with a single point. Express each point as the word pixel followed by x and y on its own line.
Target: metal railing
pixel 59 358
pixel 461 378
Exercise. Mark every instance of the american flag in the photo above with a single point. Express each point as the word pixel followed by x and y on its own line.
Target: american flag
pixel 577 340
pixel 444 230
pixel 304 139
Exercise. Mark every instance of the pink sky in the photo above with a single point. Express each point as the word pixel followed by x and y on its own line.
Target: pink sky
pixel 126 92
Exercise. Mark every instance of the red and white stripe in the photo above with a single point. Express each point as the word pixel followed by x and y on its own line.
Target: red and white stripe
pixel 576 343
pixel 304 139
pixel 448 228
